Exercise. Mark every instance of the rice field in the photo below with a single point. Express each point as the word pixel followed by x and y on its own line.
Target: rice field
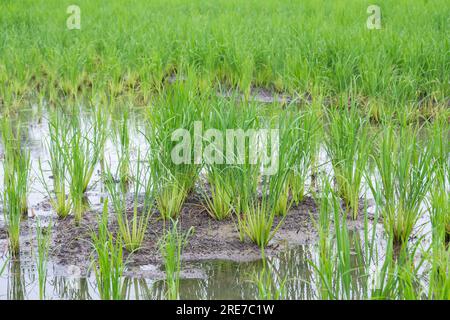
pixel 228 149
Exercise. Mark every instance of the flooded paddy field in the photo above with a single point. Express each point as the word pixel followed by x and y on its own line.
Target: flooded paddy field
pixel 224 150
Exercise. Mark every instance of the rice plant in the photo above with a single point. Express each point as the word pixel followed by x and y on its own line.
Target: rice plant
pixel 58 128
pixel 132 229
pixel 220 204
pixel 43 238
pixel 16 165
pixel 82 150
pixel 325 267
pixel 305 145
pixel 171 246
pixel 173 181
pixel 405 171
pixel 348 146
pixel 107 260
pixel 286 149
pixel 121 137
pixel 258 219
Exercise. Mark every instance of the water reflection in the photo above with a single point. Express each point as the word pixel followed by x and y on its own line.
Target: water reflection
pixel 16 281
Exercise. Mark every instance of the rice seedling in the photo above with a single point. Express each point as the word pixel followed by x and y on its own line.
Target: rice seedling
pixel 286 159
pixel 132 229
pixel 220 204
pixel 172 180
pixel 405 172
pixel 305 142
pixel 121 137
pixel 438 254
pixel 171 246
pixel 258 219
pixel 82 150
pixel 16 165
pixel 58 198
pixel 347 145
pixel 108 262
pixel 333 268
pixel 43 238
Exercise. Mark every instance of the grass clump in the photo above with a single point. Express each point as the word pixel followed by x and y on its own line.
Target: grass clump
pixel 82 150
pixel 108 263
pixel 305 142
pixel 258 219
pixel 405 172
pixel 16 165
pixel 132 229
pixel 173 168
pixel 121 137
pixel 58 128
pixel 347 145
pixel 220 204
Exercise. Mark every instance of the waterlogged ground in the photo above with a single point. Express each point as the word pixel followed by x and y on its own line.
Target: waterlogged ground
pixel 216 264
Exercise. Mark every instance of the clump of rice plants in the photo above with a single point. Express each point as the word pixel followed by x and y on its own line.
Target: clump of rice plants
pixel 58 128
pixel 82 150
pixel 172 162
pixel 405 171
pixel 16 165
pixel 439 195
pixel 332 277
pixel 257 221
pixel 171 246
pixel 347 145
pixel 220 204
pixel 286 159
pixel 43 238
pixel 232 179
pixel 121 137
pixel 132 230
pixel 107 260
pixel 305 144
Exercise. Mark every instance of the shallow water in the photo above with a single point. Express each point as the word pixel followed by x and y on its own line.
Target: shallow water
pixel 217 279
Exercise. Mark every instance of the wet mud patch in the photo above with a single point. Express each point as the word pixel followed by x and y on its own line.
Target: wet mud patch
pixel 211 239
pixel 71 249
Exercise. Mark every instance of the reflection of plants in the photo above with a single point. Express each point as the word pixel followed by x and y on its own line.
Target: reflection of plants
pixel 16 281
pixel 43 237
pixel 171 246
pixel 270 286
pixel 108 264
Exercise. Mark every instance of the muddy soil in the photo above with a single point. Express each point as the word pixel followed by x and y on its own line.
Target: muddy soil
pixel 211 239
